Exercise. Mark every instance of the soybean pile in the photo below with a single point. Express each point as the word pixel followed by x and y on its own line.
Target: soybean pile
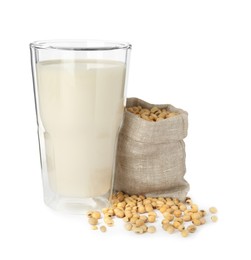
pixel 140 213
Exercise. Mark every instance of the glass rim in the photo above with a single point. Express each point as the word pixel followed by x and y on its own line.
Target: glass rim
pixel 80 45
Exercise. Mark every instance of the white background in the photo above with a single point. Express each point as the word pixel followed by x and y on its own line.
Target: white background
pixel 195 55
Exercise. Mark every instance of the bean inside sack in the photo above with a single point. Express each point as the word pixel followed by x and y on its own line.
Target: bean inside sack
pixel 154 114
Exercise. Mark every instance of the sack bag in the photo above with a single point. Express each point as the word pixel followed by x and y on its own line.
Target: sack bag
pixel 151 155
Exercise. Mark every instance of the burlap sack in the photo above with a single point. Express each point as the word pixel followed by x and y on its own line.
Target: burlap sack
pixel 151 155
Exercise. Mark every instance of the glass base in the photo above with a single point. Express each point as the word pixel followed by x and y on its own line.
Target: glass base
pixel 77 205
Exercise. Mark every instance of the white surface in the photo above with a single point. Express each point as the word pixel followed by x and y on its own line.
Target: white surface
pixel 193 54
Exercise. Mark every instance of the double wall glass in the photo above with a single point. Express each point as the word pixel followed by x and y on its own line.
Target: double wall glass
pixel 79 89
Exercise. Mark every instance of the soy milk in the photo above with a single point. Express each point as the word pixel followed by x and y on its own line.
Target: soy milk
pixel 81 107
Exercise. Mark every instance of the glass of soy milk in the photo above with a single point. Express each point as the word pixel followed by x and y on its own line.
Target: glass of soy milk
pixel 79 89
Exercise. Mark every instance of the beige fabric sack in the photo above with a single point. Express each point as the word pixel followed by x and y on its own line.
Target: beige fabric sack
pixel 151 155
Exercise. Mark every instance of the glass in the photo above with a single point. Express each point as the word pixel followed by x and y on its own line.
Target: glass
pixel 79 89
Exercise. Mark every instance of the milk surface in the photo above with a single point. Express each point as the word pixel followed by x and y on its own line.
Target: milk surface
pixel 81 108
